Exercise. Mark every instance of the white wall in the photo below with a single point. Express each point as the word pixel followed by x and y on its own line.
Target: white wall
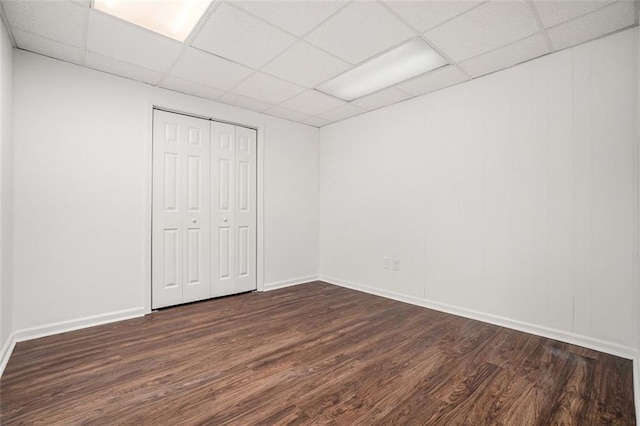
pixel 6 172
pixel 82 161
pixel 292 204
pixel 514 195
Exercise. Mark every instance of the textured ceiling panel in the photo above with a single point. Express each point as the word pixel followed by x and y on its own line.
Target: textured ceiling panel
pixel 297 17
pixel 316 121
pixel 44 46
pixel 435 80
pixel 108 36
pixel 305 65
pixel 244 102
pixel 556 12
pixel 204 68
pixel 424 15
pixel 191 88
pixel 313 102
pixel 382 98
pixel 507 56
pixel 62 21
pixel 113 66
pixel 287 114
pixel 360 31
pixel 484 28
pixel 240 37
pixel 342 112
pixel 267 89
pixel 596 24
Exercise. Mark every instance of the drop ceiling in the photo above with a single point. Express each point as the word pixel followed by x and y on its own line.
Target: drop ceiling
pixel 269 56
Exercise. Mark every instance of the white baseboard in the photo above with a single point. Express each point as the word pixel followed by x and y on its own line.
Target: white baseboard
pixel 563 336
pixel 7 350
pixel 289 283
pixel 76 324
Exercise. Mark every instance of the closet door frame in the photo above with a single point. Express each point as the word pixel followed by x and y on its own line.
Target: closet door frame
pixel 186 108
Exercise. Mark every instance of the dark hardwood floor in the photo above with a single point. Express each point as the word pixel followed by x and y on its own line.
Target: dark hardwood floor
pixel 311 354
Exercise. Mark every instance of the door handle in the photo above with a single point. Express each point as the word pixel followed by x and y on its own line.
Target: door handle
pixel 194 220
pixel 225 220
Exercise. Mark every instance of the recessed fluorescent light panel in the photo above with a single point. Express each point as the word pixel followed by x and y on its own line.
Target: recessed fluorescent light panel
pixel 402 63
pixel 172 18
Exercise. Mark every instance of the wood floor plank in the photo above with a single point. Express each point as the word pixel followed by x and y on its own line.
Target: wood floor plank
pixel 310 354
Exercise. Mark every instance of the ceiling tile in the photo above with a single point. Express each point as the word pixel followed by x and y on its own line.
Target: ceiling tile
pixel 313 102
pixel 504 57
pixel 267 89
pixel 244 102
pixel 484 28
pixel 316 121
pixel 424 15
pixel 286 114
pixel 341 113
pixel 60 21
pixel 604 21
pixel 210 70
pixel 236 35
pixel 191 88
pixel 109 36
pixel 360 31
pixel 435 80
pixel 556 12
pixel 44 46
pixel 382 98
pixel 297 17
pixel 306 65
pixel 124 69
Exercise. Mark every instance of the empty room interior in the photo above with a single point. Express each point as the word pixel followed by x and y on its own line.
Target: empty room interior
pixel 348 212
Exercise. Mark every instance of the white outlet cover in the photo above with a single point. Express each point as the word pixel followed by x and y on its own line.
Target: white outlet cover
pixel 396 264
pixel 386 263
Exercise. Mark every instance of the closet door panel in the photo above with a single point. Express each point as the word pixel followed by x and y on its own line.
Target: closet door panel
pixel 223 198
pixel 196 225
pixel 246 217
pixel 180 222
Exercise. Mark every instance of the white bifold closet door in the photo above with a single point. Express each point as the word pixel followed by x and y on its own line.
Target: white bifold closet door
pixel 180 248
pixel 233 209
pixel 204 209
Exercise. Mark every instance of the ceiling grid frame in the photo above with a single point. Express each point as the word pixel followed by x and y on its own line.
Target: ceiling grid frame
pixel 506 53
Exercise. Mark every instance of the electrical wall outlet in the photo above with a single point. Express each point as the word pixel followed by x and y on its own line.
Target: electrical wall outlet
pixel 386 263
pixel 396 264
